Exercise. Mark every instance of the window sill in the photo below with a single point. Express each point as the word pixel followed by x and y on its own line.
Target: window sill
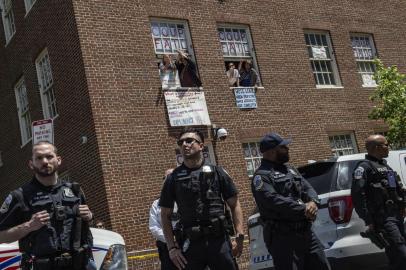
pixel 329 87
pixel 370 86
pixel 182 88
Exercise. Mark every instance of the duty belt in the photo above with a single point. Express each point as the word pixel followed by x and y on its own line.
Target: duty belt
pixel 199 232
pixel 62 261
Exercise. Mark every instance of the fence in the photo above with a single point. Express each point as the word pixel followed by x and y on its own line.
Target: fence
pixel 148 259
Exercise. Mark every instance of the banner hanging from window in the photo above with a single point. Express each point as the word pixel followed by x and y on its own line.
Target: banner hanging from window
pixel 245 97
pixel 187 108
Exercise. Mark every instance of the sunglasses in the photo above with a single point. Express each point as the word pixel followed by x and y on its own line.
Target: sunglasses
pixel 188 141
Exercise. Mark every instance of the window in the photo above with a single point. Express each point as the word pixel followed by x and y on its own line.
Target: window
pixel 343 144
pixel 237 47
pixel 8 19
pixel 252 156
pixel 23 111
pixel 322 60
pixel 46 82
pixel 364 53
pixel 28 4
pixel 176 69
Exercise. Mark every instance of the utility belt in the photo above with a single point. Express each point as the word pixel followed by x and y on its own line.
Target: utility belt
pixel 215 228
pixel 76 261
pixel 289 226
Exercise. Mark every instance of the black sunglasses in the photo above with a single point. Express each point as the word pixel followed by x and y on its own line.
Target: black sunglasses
pixel 189 141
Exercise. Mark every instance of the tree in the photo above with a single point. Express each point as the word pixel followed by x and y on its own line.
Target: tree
pixel 390 101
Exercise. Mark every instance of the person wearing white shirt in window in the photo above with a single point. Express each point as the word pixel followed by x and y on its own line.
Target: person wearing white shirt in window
pixel 233 75
pixel 155 226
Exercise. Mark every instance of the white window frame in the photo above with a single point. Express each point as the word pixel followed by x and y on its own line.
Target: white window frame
pixel 254 161
pixel 28 5
pixel 46 85
pixel 188 41
pixel 364 56
pixel 328 59
pixel 23 110
pixel 250 44
pixel 342 139
pixel 8 19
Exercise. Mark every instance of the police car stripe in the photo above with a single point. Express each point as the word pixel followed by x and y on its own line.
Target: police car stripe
pixel 9 262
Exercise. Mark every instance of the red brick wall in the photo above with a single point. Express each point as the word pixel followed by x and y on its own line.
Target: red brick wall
pixel 108 88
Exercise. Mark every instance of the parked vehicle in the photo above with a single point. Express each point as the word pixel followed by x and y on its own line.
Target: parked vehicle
pixel 337 225
pixel 108 251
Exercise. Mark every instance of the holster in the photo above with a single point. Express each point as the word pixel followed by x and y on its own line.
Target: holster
pixel 80 258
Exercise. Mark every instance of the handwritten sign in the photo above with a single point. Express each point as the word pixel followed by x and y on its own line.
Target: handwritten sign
pixel 245 97
pixel 186 108
pixel 43 130
pixel 319 52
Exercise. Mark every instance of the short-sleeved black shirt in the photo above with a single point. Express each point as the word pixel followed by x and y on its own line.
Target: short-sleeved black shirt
pixel 169 194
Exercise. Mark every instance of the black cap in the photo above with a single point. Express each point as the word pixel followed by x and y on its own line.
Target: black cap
pixel 272 140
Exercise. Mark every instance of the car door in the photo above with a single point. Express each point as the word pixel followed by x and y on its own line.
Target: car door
pixel 321 176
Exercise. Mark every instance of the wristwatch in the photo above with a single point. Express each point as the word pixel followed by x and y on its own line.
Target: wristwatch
pixel 239 237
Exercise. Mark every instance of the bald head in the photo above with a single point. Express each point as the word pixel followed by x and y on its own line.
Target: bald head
pixel 377 146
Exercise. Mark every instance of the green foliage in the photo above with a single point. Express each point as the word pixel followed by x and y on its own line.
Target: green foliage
pixel 390 101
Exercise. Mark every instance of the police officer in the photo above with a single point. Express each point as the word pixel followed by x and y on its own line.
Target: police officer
pixel 379 199
pixel 288 205
pixel 200 191
pixel 48 217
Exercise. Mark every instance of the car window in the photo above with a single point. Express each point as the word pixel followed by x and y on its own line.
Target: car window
pixel 320 175
pixel 344 175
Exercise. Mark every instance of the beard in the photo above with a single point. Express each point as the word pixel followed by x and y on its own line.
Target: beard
pixel 282 158
pixel 45 171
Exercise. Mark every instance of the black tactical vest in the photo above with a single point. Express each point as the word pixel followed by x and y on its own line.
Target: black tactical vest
pixel 198 195
pixel 62 203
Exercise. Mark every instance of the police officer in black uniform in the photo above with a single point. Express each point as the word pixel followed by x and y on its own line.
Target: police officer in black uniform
pixel 379 199
pixel 48 217
pixel 200 191
pixel 288 205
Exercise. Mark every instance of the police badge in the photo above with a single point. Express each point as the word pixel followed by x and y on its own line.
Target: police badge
pixel 68 192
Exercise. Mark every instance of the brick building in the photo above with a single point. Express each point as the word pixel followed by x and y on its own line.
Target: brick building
pixel 92 66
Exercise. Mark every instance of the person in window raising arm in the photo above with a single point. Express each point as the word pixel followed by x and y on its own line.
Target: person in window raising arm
pixel 168 72
pixel 187 70
pixel 155 227
pixel 248 75
pixel 288 205
pixel 48 217
pixel 380 200
pixel 200 191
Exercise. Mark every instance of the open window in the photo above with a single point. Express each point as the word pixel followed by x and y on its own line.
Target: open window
pixel 173 48
pixel 239 55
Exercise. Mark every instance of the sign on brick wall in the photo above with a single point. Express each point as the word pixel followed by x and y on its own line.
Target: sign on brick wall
pixel 245 97
pixel 43 130
pixel 187 108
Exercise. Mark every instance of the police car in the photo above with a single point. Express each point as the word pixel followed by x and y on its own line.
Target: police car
pixel 108 251
pixel 337 225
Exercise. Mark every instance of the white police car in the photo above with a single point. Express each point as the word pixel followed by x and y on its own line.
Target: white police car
pixel 337 225
pixel 108 251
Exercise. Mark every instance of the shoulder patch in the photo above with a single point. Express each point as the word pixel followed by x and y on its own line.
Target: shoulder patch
pixel 6 204
pixel 257 182
pixel 358 173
